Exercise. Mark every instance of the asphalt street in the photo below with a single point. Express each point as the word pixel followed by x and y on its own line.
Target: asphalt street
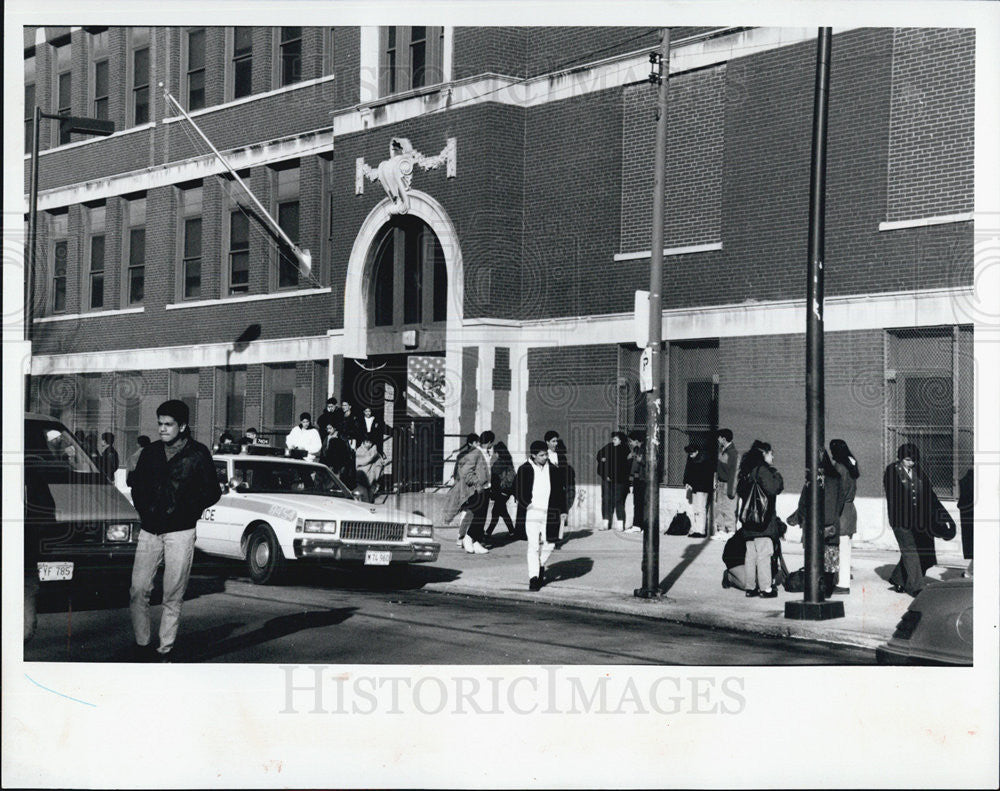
pixel 355 616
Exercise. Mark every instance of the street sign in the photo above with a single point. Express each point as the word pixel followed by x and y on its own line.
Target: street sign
pixel 86 126
pixel 641 318
pixel 646 370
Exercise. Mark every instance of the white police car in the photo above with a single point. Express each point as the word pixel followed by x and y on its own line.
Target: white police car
pixel 275 510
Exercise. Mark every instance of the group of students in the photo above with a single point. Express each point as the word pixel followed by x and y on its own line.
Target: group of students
pixel 484 474
pixel 621 467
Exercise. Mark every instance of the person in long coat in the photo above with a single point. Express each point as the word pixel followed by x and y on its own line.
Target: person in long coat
pixel 501 485
pixel 915 514
pixel 849 471
pixel 539 521
pixel 613 468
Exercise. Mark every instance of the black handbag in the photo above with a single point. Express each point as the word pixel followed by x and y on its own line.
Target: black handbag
pixel 754 514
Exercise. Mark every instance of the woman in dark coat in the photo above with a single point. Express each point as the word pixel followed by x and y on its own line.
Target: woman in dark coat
pixel 501 487
pixel 915 513
pixel 830 482
pixel 613 468
pixel 757 466
pixel 849 471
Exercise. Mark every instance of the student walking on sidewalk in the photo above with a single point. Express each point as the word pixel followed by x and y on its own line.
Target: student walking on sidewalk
pixel 758 487
pixel 541 509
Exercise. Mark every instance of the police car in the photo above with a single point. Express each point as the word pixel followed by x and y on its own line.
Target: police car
pixel 275 510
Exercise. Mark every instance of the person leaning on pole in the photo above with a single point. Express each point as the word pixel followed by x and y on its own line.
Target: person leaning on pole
pixel 173 482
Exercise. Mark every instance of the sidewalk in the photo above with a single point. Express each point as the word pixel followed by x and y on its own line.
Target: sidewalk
pixel 600 570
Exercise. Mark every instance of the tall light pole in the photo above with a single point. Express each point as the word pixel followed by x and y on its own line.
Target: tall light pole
pixel 654 401
pixel 812 607
pixel 67 123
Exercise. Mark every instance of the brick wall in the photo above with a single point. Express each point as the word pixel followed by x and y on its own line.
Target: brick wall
pixel 693 182
pixel 932 136
pixel 501 50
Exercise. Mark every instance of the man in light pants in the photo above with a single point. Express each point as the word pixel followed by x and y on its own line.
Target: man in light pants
pixel 541 509
pixel 173 482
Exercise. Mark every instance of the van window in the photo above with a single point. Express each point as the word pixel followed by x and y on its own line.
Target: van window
pixel 56 454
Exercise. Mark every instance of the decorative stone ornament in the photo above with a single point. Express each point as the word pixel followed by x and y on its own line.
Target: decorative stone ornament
pixel 396 173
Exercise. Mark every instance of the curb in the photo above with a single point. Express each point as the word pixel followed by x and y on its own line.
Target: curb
pixel 798 630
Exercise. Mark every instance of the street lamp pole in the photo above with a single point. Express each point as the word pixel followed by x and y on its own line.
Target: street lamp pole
pixel 812 607
pixel 654 403
pixel 87 126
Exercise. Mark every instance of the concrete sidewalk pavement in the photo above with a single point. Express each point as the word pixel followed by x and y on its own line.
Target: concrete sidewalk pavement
pixel 599 570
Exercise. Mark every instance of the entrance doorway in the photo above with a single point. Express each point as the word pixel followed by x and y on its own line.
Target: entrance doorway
pixel 406 392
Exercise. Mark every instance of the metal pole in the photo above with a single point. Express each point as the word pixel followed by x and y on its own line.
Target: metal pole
pixel 654 402
pixel 812 606
pixel 29 259
pixel 302 255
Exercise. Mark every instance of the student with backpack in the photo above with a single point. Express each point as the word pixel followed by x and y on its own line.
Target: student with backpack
pixel 757 488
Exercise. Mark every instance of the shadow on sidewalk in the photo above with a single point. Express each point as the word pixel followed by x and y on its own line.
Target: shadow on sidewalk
pixel 568 569
pixel 691 553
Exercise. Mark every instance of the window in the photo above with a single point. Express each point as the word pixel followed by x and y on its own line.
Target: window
pixel 242 62
pixel 59 245
pixel 412 57
pixel 191 242
pixel 184 387
pixel 281 391
pixel 231 386
pixel 29 101
pixel 131 408
pixel 408 260
pixel 95 286
pixel 328 50
pixel 195 85
pixel 64 88
pixel 136 270
pixel 287 189
pixel 140 75
pixel 291 55
pixel 239 252
pixel 100 82
pixel 930 394
pixel 693 405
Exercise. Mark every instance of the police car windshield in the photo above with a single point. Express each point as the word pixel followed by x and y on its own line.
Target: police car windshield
pixel 276 477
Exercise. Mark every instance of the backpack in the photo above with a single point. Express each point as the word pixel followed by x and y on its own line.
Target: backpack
pixel 796 583
pixel 680 525
pixel 754 515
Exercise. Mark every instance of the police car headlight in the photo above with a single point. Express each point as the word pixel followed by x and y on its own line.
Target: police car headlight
pixel 118 532
pixel 420 531
pixel 319 526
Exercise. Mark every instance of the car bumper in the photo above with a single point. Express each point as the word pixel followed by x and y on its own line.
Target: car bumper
pixel 887 655
pixel 325 549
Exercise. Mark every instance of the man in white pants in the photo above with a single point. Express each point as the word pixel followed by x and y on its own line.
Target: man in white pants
pixel 541 509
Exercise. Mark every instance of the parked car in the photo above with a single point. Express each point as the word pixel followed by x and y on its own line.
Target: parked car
pixel 936 629
pixel 75 521
pixel 277 510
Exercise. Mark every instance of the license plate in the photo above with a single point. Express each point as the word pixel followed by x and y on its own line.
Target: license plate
pixel 376 558
pixel 52 572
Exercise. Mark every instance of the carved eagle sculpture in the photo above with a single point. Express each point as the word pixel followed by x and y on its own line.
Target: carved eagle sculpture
pixel 396 173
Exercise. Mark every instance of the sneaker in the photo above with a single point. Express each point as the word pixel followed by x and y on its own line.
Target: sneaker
pixel 534 584
pixel 166 656
pixel 720 536
pixel 633 529
pixel 467 544
pixel 725 580
pixel 771 594
pixel 841 591
pixel 478 548
pixel 752 593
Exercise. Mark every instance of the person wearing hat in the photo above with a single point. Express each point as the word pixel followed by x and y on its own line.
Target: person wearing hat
pixel 915 515
pixel 699 481
pixel 173 482
pixel 541 508
pixel 304 438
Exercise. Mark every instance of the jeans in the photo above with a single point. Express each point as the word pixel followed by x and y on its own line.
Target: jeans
pixel 478 504
pixel 758 563
pixel 724 511
pixel 844 577
pixel 176 552
pixel 698 507
pixel 613 500
pixel 538 548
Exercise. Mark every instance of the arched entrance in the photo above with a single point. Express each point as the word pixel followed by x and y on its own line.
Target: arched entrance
pixel 403 295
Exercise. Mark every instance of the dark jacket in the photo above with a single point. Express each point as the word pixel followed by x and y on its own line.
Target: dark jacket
pixel 502 473
pixel 914 507
pixel 698 473
pixel 771 482
pixel 109 462
pixel 170 495
pixel 725 468
pixel 338 456
pixel 833 506
pixel 350 427
pixel 613 463
pixel 326 418
pixel 376 433
pixel 524 482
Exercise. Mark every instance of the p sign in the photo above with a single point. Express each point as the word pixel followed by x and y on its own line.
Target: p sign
pixel 641 318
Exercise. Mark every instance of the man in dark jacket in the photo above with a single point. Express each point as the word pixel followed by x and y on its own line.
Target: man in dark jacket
pixel 173 482
pixel 541 509
pixel 109 456
pixel 699 474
